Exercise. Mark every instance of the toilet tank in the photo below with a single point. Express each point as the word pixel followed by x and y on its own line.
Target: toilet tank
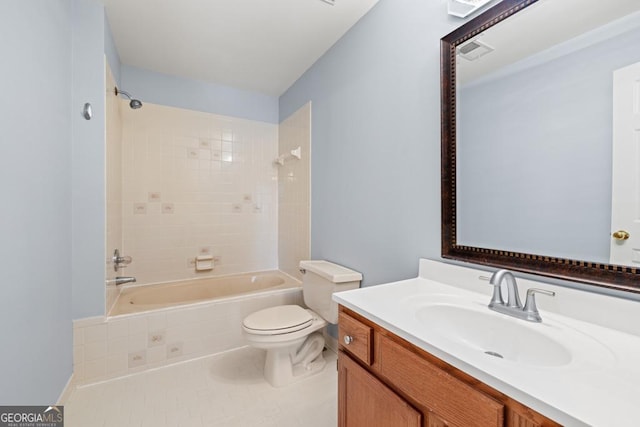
pixel 321 279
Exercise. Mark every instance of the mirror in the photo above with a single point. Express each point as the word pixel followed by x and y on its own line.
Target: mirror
pixel 529 137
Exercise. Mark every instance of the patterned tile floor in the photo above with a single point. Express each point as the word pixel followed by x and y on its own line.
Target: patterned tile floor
pixel 223 390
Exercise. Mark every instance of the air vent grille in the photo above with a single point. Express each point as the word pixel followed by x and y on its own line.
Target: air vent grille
pixel 474 49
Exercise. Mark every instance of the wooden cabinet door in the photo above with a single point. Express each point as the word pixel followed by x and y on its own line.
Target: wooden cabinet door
pixel 363 401
pixel 449 401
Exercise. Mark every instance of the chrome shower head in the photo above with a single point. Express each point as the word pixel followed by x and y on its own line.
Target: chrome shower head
pixel 134 103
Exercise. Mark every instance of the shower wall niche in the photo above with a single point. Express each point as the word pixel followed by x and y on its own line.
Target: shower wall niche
pixel 197 184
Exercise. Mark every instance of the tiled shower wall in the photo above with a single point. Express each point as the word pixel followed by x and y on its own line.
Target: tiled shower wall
pixel 197 184
pixel 293 192
pixel 113 181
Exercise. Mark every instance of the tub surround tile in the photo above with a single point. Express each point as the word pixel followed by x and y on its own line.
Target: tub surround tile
pixel 103 347
pixel 157 322
pixel 117 329
pixel 183 332
pixel 118 345
pixel 95 350
pixel 88 321
pixel 137 341
pixel 113 181
pixel 156 338
pixel 157 354
pixel 78 354
pixel 95 369
pixel 294 192
pixel 178 171
pixel 137 359
pixel 116 365
pixel 174 350
pixel 192 347
pixel 78 336
pixel 137 325
pixel 95 333
pixel 182 317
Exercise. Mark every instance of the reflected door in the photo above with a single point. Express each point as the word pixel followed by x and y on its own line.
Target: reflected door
pixel 625 204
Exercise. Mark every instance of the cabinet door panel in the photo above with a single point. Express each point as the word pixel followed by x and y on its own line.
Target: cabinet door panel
pixel 363 401
pixel 434 421
pixel 455 402
pixel 528 418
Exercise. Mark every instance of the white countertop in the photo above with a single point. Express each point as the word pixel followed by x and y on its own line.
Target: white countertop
pixel 601 385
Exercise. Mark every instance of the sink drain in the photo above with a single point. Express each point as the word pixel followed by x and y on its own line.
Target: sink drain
pixel 494 354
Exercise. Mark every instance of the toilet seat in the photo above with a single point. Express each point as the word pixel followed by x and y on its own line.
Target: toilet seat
pixel 278 320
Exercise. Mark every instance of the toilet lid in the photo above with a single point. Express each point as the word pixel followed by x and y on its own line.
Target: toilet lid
pixel 278 320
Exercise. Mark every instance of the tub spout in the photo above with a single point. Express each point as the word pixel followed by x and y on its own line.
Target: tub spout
pixel 121 280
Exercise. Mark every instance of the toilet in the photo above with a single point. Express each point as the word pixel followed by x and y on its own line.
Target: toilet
pixel 292 335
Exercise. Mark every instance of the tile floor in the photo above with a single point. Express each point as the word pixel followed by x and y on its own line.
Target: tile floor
pixel 222 390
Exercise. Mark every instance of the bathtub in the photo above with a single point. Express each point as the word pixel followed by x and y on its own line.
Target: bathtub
pixel 136 299
pixel 151 326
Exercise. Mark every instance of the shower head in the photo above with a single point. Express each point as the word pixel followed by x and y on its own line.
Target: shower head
pixel 134 103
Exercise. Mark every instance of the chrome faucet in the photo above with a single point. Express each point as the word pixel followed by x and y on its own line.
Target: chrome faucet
pixel 120 261
pixel 513 307
pixel 121 280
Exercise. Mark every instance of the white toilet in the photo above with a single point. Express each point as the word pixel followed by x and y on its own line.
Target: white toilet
pixel 292 335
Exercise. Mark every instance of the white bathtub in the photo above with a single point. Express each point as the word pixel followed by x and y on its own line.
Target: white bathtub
pixel 136 299
pixel 155 325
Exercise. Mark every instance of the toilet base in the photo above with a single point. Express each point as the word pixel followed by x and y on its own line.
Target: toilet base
pixel 284 366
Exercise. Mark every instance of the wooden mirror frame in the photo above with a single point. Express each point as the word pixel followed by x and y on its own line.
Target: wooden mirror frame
pixel 593 273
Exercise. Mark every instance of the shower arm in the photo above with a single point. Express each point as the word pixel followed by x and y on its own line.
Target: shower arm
pixel 127 94
pixel 133 103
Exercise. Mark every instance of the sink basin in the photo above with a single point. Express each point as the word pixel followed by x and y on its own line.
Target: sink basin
pixel 496 335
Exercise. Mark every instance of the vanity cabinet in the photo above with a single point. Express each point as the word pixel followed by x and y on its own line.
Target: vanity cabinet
pixel 367 402
pixel 385 381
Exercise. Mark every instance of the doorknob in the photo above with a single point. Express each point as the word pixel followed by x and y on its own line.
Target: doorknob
pixel 620 235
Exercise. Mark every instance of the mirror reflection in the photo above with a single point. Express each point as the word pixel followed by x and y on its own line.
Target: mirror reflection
pixel 548 121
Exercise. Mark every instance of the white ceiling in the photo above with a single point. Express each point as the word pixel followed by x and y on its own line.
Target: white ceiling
pixel 256 45
pixel 541 26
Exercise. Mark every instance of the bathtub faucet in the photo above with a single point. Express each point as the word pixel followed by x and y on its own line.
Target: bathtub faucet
pixel 121 280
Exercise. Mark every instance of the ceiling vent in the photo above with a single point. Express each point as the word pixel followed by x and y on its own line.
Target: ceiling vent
pixel 464 8
pixel 474 49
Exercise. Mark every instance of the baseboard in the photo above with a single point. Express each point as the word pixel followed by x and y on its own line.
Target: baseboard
pixel 66 391
pixel 330 342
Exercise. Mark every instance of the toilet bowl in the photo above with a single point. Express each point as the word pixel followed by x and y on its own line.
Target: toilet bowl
pixel 291 335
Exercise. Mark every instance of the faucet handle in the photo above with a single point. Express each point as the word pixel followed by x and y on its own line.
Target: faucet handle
pixel 124 260
pixel 530 308
pixel 120 261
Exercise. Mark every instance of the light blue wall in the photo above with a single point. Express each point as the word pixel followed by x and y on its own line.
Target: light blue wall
pixel 164 89
pixel 557 174
pixel 111 51
pixel 376 140
pixel 35 183
pixel 88 160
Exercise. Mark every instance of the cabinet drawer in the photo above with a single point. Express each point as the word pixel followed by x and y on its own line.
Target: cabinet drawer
pixel 356 338
pixel 448 397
